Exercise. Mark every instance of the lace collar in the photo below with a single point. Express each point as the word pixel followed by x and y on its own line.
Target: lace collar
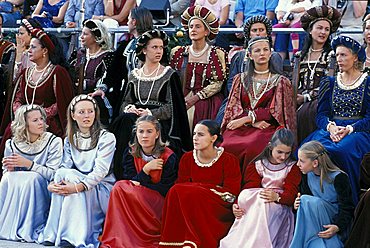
pixel 220 150
pixel 35 147
pixel 137 74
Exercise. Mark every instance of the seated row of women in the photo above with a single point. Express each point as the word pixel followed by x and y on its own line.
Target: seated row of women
pixel 62 198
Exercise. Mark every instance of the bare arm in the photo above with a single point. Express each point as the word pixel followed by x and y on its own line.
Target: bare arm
pixel 108 7
pixel 239 19
pixel 38 8
pixel 224 15
pixel 123 15
pixel 61 14
pixel 16 2
pixel 359 8
pixel 270 15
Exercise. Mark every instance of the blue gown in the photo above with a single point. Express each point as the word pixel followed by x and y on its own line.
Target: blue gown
pixel 24 197
pixel 323 208
pixel 345 107
pixel 78 218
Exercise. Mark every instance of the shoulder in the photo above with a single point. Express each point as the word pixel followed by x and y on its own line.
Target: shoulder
pixel 231 158
pixel 341 179
pixel 187 156
pixel 106 136
pixel 220 52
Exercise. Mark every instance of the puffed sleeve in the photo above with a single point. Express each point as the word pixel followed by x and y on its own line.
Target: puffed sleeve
pixel 345 201
pixel 7 152
pixel 67 161
pixel 232 176
pixel 251 177
pixel 54 159
pixel 184 168
pixel 106 147
pixel 235 68
pixel 363 125
pixel 324 105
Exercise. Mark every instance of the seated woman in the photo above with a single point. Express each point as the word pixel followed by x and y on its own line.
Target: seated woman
pixel 92 64
pixel 197 211
pixel 325 205
pixel 155 90
pixel 202 67
pixel 82 185
pixel 318 22
pixel 50 13
pixel 118 10
pixel 343 114
pixel 31 158
pixel 260 100
pixel 135 204
pixel 46 83
pixel 358 236
pixel 265 203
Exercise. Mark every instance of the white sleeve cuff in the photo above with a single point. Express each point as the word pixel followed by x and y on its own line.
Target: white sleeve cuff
pixel 329 124
pixel 350 128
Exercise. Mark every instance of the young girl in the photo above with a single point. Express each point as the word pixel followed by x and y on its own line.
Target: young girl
pixel 326 207
pixel 81 187
pixel 135 204
pixel 264 216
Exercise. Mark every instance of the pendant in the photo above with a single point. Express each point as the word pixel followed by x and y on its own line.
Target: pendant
pixel 312 74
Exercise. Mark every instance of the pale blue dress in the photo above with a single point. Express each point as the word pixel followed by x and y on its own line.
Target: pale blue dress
pixel 78 218
pixel 24 197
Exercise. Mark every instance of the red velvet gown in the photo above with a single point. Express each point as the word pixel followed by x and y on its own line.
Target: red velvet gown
pixel 271 103
pixel 193 215
pixel 134 212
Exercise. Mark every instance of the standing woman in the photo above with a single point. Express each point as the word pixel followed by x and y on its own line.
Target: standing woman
pixel 81 187
pixel 260 101
pixel 94 60
pixel 135 204
pixel 343 113
pixel 46 83
pixel 154 89
pixel 319 22
pixel 197 211
pixel 31 158
pixel 202 66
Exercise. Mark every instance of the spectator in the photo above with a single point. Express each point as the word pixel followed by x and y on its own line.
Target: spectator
pixel 177 8
pixel 75 18
pixel 220 8
pixel 81 186
pixel 29 7
pixel 30 160
pixel 118 10
pixel 11 12
pixel 50 13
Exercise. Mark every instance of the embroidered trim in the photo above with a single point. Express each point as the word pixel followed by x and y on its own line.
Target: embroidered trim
pixel 220 150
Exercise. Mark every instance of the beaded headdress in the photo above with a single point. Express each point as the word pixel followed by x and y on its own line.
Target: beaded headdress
pixel 204 15
pixel 42 36
pixel 351 44
pixel 257 19
pixel 143 40
pixel 319 13
pixel 82 97
pixel 95 30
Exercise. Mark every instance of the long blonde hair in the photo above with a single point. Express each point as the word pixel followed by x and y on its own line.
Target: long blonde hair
pixel 19 125
pixel 314 150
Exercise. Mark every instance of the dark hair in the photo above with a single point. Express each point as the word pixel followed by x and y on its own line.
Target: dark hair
pixel 213 129
pixel 159 146
pixel 144 19
pixel 281 136
pixel 308 42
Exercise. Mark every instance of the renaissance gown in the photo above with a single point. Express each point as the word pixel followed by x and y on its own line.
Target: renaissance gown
pixel 135 211
pixel 332 205
pixel 345 105
pixel 24 197
pixel 162 95
pixel 271 102
pixel 265 224
pixel 78 217
pixel 202 79
pixel 194 213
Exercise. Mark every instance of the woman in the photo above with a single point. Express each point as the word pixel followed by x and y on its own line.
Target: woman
pixel 260 101
pixel 197 211
pixel 46 83
pixel 81 187
pixel 135 204
pixel 325 205
pixel 50 13
pixel 343 113
pixel 95 62
pixel 203 67
pixel 319 23
pixel 152 90
pixel 118 10
pixel 265 204
pixel 31 158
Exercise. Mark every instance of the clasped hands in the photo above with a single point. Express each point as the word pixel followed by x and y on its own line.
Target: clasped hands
pixel 138 111
pixel 16 160
pixel 337 133
pixel 64 188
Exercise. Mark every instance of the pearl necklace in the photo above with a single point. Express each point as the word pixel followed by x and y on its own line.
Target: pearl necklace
pixel 261 72
pixel 220 150
pixel 198 54
pixel 151 87
pixel 150 74
pixel 93 55
pixel 316 50
pixel 36 83
pixel 313 69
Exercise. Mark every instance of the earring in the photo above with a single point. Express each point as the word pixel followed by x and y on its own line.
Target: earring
pixel 43 55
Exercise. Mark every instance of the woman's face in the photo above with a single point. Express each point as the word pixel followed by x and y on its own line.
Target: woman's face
pixel 320 31
pixel 84 114
pixel 258 29
pixel 36 51
pixel 87 38
pixel 345 58
pixel 280 153
pixel 35 123
pixel 305 164
pixel 24 36
pixel 260 52
pixel 131 23
pixel 202 139
pixel 147 135
pixel 367 32
pixel 197 30
pixel 154 50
